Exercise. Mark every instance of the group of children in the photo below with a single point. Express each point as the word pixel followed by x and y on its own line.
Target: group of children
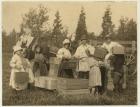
pixel 18 64
pixel 88 66
pixel 98 71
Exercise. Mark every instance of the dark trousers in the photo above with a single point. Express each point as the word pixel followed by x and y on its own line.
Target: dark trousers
pixel 102 88
pixel 118 62
pixel 118 80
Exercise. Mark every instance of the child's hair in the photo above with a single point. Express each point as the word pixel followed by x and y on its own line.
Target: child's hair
pixel 17 51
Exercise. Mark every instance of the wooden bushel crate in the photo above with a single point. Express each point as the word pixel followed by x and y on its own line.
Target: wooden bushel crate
pixel 100 53
pixel 70 64
pixel 21 77
pixel 118 50
pixel 72 84
pixel 46 82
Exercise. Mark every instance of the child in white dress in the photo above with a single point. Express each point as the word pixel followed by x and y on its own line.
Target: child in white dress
pixel 20 64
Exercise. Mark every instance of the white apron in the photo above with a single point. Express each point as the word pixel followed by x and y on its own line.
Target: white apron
pixel 94 74
pixel 83 58
pixel 83 65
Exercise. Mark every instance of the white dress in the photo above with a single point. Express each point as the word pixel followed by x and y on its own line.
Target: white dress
pixel 17 66
pixel 94 74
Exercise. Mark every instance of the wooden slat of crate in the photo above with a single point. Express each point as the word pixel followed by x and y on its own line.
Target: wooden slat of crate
pixel 74 92
pixel 118 50
pixel 72 81
pixel 74 87
pixel 67 84
pixel 46 82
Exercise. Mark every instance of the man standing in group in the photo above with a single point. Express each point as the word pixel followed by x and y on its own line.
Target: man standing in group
pixel 82 55
pixel 113 63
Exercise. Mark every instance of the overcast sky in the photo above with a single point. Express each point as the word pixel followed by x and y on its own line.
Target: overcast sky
pixel 12 13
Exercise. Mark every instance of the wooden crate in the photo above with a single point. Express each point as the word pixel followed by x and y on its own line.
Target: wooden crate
pixel 100 53
pixel 46 82
pixel 21 77
pixel 72 84
pixel 74 92
pixel 70 64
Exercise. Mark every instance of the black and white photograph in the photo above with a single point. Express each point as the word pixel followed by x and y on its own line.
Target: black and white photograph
pixel 69 53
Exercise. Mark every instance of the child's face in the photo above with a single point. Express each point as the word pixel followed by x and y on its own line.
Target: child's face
pixel 38 49
pixel 108 41
pixel 67 46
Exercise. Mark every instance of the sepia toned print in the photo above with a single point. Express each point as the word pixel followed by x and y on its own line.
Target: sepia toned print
pixel 69 53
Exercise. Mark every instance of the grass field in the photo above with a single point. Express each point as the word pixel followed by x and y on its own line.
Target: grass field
pixel 37 96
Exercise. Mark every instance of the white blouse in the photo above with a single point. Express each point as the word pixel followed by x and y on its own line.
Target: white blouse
pixel 81 51
pixel 63 52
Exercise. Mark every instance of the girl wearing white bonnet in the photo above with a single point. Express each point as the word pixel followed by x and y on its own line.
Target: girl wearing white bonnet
pixel 19 64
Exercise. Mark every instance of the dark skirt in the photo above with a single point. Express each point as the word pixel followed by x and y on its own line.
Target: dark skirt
pixel 42 67
pixel 64 71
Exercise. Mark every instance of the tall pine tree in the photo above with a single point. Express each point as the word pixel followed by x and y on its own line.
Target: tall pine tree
pixel 57 29
pixel 107 25
pixel 81 27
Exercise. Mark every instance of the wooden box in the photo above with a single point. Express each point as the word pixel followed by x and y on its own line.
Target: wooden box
pixel 46 82
pixel 118 50
pixel 100 53
pixel 21 77
pixel 70 64
pixel 72 84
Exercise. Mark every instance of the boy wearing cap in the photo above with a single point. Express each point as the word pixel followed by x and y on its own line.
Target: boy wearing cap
pixel 82 54
pixel 112 62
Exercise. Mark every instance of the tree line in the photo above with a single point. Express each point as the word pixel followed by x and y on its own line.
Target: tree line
pixel 37 20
